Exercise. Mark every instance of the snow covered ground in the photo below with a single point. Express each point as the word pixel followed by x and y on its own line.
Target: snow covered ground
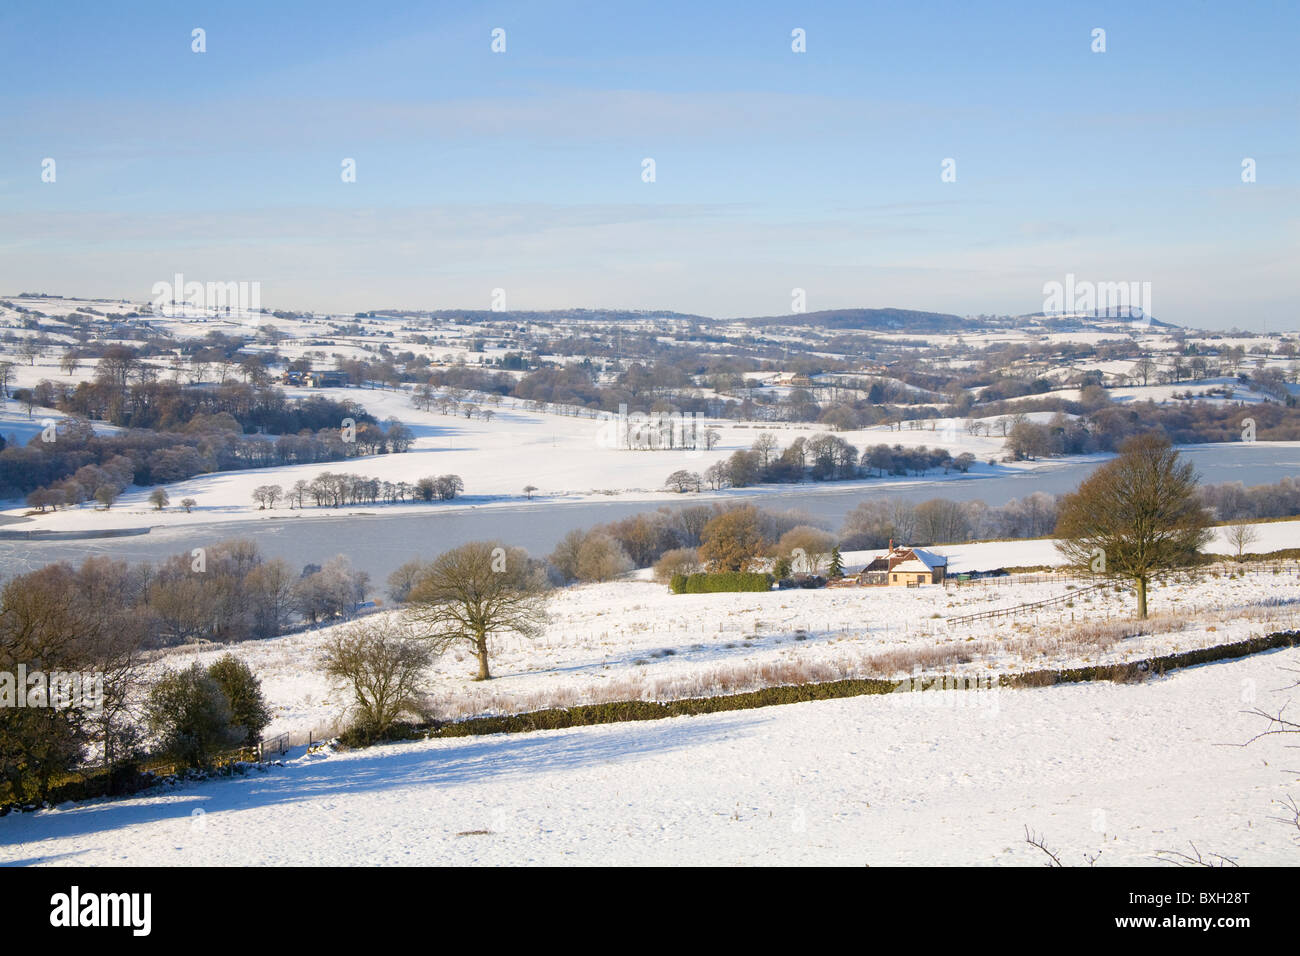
pixel 937 779
pixel 940 778
pixel 563 456
pixel 634 639
pixel 567 458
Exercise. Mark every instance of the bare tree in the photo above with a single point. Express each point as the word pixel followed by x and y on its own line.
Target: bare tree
pixel 270 592
pixel 30 349
pixel 472 593
pixel 682 480
pixel 1195 858
pixel 1241 534
pixel 267 495
pixel 1135 515
pixel 381 666
pixel 765 445
pixel 71 621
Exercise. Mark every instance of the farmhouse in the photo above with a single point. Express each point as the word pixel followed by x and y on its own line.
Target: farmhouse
pixel 795 379
pixel 327 379
pixel 900 566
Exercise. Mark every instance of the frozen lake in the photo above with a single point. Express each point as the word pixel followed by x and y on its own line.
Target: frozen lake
pixel 379 541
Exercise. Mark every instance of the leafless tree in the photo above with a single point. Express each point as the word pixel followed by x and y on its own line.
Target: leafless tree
pixel 381 666
pixel 475 592
pixel 1135 515
pixel 1195 858
pixel 1241 535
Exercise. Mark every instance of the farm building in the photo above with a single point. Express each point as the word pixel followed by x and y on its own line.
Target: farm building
pixel 899 566
pixel 327 379
pixel 794 379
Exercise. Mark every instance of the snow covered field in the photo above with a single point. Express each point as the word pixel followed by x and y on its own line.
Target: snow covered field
pixel 567 459
pixel 941 778
pixel 944 778
pixel 634 639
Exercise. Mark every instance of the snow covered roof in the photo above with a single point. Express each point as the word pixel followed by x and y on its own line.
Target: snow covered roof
pixel 912 566
pixel 928 558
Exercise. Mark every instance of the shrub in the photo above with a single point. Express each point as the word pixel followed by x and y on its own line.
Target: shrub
pixel 806 581
pixel 248 710
pixel 191 716
pixel 675 562
pixel 601 558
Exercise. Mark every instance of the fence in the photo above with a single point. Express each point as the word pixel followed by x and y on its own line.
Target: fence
pixel 273 745
pixel 1034 577
pixel 93 781
pixel 1032 606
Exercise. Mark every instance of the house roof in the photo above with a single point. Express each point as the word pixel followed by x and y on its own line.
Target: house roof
pixel 909 567
pixel 929 558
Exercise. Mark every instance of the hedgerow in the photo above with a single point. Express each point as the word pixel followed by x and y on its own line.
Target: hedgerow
pixel 708 583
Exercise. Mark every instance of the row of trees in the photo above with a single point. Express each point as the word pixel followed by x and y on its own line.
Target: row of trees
pixel 1232 499
pixel 124 392
pixel 604 552
pixel 874 523
pixel 330 489
pixel 224 592
pixel 213 443
pixel 822 457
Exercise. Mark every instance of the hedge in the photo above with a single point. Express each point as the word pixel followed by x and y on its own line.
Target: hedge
pixel 617 711
pixel 720 581
pixel 1137 670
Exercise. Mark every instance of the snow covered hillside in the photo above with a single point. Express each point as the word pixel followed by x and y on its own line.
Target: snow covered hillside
pixel 943 778
pixel 627 640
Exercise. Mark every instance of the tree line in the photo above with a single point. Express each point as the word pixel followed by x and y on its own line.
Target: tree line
pixel 67 464
pixel 331 489
pixel 822 457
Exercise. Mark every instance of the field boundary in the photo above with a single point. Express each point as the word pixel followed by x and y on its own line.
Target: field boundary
pixel 585 715
pixel 156 771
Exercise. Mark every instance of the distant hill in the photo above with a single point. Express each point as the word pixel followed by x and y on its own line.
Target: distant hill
pixel 871 320
pixel 524 315
pixel 1098 318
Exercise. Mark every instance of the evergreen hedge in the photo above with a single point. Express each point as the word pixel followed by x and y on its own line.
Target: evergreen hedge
pixel 720 581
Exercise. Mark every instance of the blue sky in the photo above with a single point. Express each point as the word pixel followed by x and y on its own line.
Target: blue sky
pixel 774 169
